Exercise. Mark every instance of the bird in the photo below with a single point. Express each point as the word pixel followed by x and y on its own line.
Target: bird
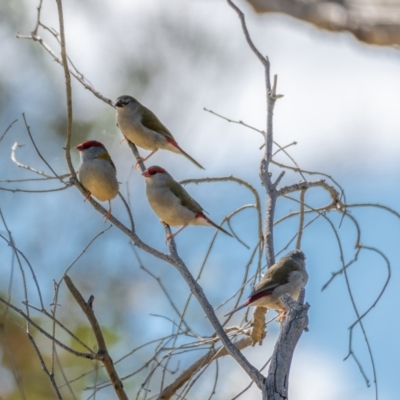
pixel 172 203
pixel 288 275
pixel 97 173
pixel 141 127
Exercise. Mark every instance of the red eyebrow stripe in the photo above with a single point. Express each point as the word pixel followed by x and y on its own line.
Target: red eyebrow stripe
pixel 89 143
pixel 153 170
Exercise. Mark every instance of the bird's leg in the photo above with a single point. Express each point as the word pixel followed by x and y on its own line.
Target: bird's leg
pixel 108 213
pixel 281 316
pixel 87 195
pixel 141 159
pixel 172 235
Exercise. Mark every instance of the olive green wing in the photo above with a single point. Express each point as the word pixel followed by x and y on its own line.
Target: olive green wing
pixel 277 275
pixel 106 156
pixel 150 121
pixel 185 198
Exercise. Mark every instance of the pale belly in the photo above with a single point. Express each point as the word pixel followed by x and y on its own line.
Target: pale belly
pixel 101 182
pixel 142 137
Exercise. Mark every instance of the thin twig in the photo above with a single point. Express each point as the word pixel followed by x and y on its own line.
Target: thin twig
pixel 104 357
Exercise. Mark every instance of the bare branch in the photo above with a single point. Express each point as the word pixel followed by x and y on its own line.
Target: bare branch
pixel 212 355
pixel 68 88
pixel 7 129
pixel 90 356
pixel 296 321
pixel 301 219
pixel 102 352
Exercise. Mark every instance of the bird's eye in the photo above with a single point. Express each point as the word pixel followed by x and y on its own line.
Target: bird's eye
pixel 153 172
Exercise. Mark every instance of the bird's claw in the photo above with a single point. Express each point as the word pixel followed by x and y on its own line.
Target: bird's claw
pixel 281 316
pixel 107 215
pixel 138 161
pixel 87 195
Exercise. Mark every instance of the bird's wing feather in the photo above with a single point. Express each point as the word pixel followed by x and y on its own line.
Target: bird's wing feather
pixel 185 198
pixel 106 156
pixel 277 275
pixel 150 121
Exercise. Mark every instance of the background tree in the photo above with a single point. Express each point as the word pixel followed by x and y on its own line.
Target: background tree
pixel 127 282
pixel 371 22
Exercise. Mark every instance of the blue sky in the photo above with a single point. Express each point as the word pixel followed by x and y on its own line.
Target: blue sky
pixel 340 105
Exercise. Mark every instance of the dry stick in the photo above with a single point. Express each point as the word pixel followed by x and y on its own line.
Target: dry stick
pixel 245 281
pixel 272 195
pixel 39 153
pixel 6 350
pixel 189 385
pixel 237 180
pixel 295 187
pixel 16 253
pixel 116 362
pixel 199 274
pixel 351 353
pixel 90 356
pixel 56 291
pixel 301 219
pixel 342 193
pixel 68 88
pixel 197 291
pixel 251 383
pixel 187 304
pixel 102 352
pixel 344 269
pixel 44 368
pixel 213 354
pixel 383 287
pixel 62 326
pixel 33 179
pixel 233 179
pixel 39 10
pixel 390 210
pixel 264 167
pixel 14 148
pixel 7 129
pixel 167 295
pixel 33 191
pixel 280 148
pixel 136 154
pixel 357 246
pixel 75 73
pixel 292 327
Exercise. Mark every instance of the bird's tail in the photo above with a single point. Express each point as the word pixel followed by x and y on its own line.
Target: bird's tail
pixel 180 151
pixel 215 225
pixel 245 304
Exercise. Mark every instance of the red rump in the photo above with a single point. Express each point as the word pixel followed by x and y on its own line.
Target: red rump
pixel 172 141
pixel 88 144
pixel 199 215
pixel 257 296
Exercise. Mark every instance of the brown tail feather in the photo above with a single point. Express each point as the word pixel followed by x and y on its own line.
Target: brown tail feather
pixel 217 226
pixel 184 153
pixel 245 304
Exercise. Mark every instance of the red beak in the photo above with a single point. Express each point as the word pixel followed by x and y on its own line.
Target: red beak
pixel 79 147
pixel 146 173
